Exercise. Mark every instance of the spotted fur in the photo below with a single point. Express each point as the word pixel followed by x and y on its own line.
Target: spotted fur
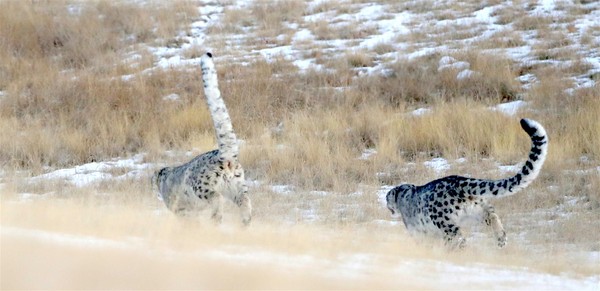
pixel 206 179
pixel 438 207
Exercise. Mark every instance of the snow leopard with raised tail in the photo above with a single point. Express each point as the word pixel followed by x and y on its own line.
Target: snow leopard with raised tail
pixel 206 179
pixel 438 207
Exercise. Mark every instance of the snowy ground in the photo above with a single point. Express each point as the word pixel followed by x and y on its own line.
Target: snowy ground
pixel 429 273
pixel 355 267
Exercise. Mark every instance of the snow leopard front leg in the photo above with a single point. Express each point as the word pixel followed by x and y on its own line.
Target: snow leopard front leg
pixel 216 203
pixel 453 236
pixel 492 219
pixel 243 202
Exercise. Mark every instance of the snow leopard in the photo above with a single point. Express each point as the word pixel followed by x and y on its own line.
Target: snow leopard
pixel 438 207
pixel 203 182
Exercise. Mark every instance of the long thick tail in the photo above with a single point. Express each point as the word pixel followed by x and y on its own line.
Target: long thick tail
pixel 528 173
pixel 228 144
pixel 537 156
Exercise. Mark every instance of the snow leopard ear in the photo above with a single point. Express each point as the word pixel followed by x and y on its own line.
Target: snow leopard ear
pixel 157 175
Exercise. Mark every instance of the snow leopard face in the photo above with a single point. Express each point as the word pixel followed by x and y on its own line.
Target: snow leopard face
pixel 155 181
pixel 394 197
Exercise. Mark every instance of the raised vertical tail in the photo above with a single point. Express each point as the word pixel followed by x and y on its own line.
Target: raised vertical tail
pixel 228 144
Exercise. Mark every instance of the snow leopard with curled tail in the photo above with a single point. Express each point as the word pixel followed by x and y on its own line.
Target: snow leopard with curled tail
pixel 206 179
pixel 438 207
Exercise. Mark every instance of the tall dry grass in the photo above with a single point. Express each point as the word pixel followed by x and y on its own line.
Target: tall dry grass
pixel 64 102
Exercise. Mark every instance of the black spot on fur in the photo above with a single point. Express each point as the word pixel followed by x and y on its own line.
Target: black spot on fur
pixel 538 140
pixel 518 177
pixel 529 129
pixel 529 165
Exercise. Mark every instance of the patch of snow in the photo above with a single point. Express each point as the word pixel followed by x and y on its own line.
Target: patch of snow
pixel 320 193
pixel 445 61
pixel 425 51
pixel 510 108
pixel 127 78
pixel 94 172
pixel 253 183
pixel 382 192
pixel 527 78
pixel 282 189
pixel 439 165
pixel 425 273
pixel 510 168
pixel 176 61
pixel 303 35
pixel 26 197
pixel 279 51
pixel 454 66
pixel 171 97
pixel 390 29
pixel 64 239
pixel 420 111
pixel 370 12
pixel 73 9
pixel 485 15
pixel 466 74
pixel 387 222
pixel 545 6
pixel 367 153
pixel 307 64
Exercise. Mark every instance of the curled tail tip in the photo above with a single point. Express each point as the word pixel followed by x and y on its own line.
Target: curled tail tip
pixel 206 59
pixel 532 127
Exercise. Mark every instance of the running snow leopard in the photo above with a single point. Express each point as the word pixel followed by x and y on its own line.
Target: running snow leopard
pixel 206 179
pixel 438 207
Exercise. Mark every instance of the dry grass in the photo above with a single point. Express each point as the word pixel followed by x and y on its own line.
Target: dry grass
pixel 419 81
pixel 62 81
